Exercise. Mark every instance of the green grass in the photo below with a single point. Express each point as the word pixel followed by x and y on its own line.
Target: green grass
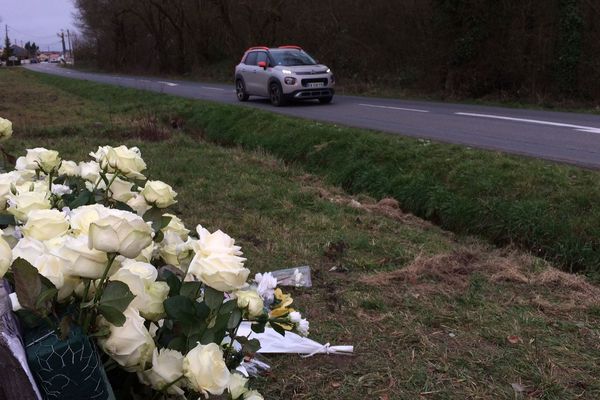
pixel 429 313
pixel 546 208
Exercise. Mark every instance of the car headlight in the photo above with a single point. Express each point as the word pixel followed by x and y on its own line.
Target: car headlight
pixel 286 72
pixel 290 80
pixel 328 70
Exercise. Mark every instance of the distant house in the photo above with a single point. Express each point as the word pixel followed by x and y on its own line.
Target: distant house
pixel 19 52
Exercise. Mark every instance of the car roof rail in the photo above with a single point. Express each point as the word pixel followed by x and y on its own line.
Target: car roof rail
pixel 258 48
pixel 290 46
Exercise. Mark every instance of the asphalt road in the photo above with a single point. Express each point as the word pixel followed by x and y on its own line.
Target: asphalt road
pixel 565 137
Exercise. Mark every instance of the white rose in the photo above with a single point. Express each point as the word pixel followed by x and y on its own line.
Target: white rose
pixel 253 395
pixel 83 216
pixel 69 168
pixel 217 242
pixel 119 231
pixel 8 181
pixel 149 294
pixel 173 250
pixel 159 193
pixel 222 272
pixel 5 129
pixel 39 158
pixel 45 224
pixel 130 345
pixel 237 385
pixel 90 171
pixel 250 300
pixel 52 267
pixel 23 203
pixel 5 256
pixel 147 254
pixel 205 369
pixel 120 189
pixel 167 367
pixel 176 225
pixel 127 161
pixel 28 249
pixel 82 261
pixel 138 204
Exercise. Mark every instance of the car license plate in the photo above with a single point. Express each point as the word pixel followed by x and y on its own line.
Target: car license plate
pixel 315 84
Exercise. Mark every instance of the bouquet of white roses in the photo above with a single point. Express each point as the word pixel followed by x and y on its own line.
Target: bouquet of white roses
pixel 89 246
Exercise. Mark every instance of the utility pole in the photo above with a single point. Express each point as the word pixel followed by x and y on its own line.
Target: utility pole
pixel 71 56
pixel 61 35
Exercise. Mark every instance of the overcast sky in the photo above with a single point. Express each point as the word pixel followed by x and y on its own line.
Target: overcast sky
pixel 37 21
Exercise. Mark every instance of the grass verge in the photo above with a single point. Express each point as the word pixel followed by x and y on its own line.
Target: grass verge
pixel 547 208
pixel 432 316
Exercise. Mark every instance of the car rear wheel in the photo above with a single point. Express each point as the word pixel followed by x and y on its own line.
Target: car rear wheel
pixel 240 90
pixel 276 95
pixel 325 100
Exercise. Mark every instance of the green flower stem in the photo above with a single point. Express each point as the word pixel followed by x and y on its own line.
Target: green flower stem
pixel 87 320
pixel 50 182
pixel 103 281
pixel 86 290
pixel 166 387
pixel 109 185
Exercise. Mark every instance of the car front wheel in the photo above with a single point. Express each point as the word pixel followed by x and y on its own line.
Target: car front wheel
pixel 276 95
pixel 240 90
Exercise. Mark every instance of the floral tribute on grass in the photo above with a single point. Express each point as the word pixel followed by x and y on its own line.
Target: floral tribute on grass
pixel 95 260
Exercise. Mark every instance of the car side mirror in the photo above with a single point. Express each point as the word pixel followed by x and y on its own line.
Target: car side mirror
pixel 262 64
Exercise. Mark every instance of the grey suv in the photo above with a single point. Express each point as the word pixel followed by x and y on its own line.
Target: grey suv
pixel 281 74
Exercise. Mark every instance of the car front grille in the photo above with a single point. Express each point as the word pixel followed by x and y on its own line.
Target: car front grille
pixel 313 94
pixel 311 72
pixel 306 82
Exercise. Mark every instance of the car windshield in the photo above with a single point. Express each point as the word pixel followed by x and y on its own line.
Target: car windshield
pixel 291 58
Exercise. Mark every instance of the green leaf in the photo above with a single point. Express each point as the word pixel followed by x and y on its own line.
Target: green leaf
pixel 234 319
pixel 7 219
pixel 84 198
pixel 179 343
pixel 159 236
pixel 191 290
pixel 164 221
pixel 278 328
pixel 112 315
pixel 119 205
pixel 251 346
pixel 29 318
pixel 116 295
pixel 202 310
pixel 115 299
pixel 45 298
pixel 28 284
pixel 208 337
pixel 213 298
pixel 174 283
pixel 180 308
pixel 258 327
pixel 228 307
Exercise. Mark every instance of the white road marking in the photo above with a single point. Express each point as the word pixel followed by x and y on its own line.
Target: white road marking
pixel 167 83
pixel 394 108
pixel 581 128
pixel 145 80
pixel 212 88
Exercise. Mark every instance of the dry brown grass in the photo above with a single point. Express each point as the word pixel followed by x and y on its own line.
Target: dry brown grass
pixel 451 273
